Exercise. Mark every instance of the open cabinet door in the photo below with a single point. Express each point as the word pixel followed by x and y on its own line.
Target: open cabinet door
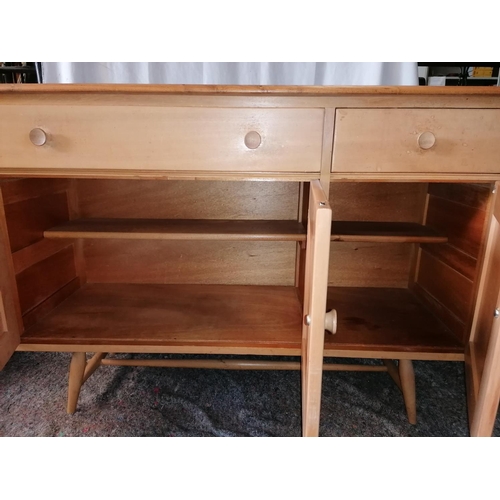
pixel 315 292
pixel 483 352
pixel 10 314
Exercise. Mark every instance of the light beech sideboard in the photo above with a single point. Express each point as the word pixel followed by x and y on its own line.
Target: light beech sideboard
pixel 313 222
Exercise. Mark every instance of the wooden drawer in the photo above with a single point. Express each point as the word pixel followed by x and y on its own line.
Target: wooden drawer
pixel 142 138
pixel 417 140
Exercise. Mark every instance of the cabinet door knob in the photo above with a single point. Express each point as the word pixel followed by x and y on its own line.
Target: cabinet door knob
pixel 38 137
pixel 331 321
pixel 253 140
pixel 426 140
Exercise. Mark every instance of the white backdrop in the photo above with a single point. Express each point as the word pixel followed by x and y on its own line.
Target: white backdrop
pixel 238 73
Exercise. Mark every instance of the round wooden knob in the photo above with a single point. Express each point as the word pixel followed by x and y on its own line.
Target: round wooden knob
pixel 426 140
pixel 253 140
pixel 38 137
pixel 331 321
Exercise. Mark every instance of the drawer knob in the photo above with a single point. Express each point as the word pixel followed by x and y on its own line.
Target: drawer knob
pixel 38 137
pixel 253 140
pixel 426 140
pixel 331 321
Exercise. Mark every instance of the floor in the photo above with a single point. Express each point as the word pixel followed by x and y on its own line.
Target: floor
pixel 124 401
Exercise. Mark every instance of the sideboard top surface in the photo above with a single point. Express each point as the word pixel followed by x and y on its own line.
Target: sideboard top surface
pixel 280 90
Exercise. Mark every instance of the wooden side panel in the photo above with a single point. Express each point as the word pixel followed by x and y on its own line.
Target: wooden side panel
pixel 447 273
pixel 10 313
pixel 471 195
pixel 483 352
pixel 15 190
pixel 37 252
pixel 369 264
pixel 187 199
pixel 190 262
pixel 461 223
pixel 27 219
pixel 42 267
pixel 41 310
pixel 459 261
pixel 486 409
pixel 41 280
pixel 446 285
pixel 486 318
pixel 448 318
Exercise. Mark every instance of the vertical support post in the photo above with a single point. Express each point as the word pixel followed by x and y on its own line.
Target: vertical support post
pixel 76 371
pixel 407 377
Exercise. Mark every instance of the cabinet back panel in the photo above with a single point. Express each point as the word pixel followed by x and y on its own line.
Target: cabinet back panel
pixel 187 199
pixel 190 262
pixel 377 201
pixel 369 264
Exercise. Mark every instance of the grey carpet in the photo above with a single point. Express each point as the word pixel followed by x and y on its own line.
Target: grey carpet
pixel 125 401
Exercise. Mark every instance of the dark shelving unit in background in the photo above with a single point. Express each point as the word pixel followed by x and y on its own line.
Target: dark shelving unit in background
pixel 20 72
pixel 457 74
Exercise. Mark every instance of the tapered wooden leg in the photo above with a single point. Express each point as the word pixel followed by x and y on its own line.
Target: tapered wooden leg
pixel 407 377
pixel 393 371
pixel 92 364
pixel 76 371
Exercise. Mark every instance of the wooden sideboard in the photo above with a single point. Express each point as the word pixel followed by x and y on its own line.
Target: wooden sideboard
pixel 346 222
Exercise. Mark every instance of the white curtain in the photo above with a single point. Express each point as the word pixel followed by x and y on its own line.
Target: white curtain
pixel 237 73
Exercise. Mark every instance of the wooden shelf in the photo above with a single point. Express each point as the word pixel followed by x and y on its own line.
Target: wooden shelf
pixel 204 319
pixel 226 319
pixel 392 320
pixel 388 232
pixel 180 229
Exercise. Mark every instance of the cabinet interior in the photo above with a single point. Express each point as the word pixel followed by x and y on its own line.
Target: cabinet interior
pixel 217 266
pixel 210 266
pixel 406 293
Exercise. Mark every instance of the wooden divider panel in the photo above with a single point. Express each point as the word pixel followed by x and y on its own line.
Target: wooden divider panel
pixel 447 277
pixel 42 267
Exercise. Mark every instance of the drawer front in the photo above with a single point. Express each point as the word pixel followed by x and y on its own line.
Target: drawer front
pixel 417 140
pixel 146 138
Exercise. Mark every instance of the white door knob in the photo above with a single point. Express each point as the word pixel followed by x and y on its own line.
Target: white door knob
pixel 331 321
